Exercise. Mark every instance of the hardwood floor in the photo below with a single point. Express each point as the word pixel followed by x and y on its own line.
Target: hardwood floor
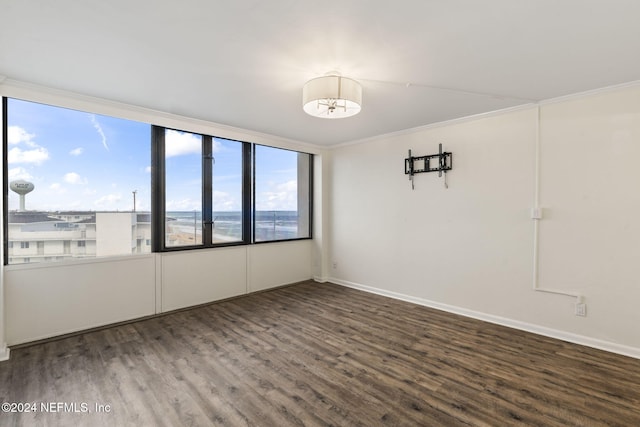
pixel 316 355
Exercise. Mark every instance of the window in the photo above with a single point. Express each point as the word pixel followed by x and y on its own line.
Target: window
pixel 206 194
pixel 282 199
pixel 227 191
pixel 201 194
pixel 183 177
pixel 71 175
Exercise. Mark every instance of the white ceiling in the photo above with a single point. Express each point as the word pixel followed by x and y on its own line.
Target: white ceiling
pixel 243 63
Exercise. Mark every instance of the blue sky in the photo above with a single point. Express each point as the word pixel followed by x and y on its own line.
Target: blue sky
pixel 84 161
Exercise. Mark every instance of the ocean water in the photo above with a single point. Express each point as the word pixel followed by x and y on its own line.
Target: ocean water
pixel 269 225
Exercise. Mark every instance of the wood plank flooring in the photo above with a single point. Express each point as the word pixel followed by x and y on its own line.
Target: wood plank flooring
pixel 318 355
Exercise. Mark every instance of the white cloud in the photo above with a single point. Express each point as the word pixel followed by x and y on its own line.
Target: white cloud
pixel 283 196
pixel 181 143
pixel 19 173
pixel 17 135
pixel 98 128
pixel 184 205
pixel 57 188
pixel 36 156
pixel 289 186
pixel 74 178
pixel 108 200
pixel 76 151
pixel 147 169
pixel 76 204
pixel 223 201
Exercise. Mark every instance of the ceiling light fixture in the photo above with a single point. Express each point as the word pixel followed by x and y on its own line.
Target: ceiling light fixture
pixel 332 97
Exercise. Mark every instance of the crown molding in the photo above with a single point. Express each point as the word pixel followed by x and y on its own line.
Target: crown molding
pixel 474 117
pixel 67 99
pixel 436 125
pixel 589 93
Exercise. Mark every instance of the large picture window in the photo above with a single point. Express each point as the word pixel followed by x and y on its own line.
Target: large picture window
pixel 83 185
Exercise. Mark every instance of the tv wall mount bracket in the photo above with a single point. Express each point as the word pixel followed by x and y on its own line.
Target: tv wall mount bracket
pixel 441 163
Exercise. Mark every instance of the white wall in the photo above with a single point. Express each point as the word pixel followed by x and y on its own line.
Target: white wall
pixel 590 187
pixel 279 263
pixel 196 277
pixel 46 300
pixel 469 248
pixel 4 350
pixel 52 299
pixel 200 276
pixel 321 227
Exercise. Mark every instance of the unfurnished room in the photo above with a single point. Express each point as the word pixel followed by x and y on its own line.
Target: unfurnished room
pixel 293 213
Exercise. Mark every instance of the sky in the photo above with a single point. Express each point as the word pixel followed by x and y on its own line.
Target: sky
pixel 83 161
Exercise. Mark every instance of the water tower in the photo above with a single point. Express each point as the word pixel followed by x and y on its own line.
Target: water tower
pixel 21 187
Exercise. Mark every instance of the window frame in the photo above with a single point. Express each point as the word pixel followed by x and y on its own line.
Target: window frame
pixel 158 189
pixel 253 197
pixel 158 193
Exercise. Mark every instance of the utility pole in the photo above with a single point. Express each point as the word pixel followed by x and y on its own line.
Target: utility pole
pixel 134 199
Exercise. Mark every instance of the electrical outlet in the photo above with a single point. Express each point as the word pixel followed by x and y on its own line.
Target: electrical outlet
pixel 581 309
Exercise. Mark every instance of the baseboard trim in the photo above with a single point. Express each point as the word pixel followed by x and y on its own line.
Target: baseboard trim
pixel 4 353
pixel 516 324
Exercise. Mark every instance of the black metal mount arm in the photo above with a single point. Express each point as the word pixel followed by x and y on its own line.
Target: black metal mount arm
pixel 441 163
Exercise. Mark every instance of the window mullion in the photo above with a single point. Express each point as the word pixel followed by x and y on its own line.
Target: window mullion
pixel 248 173
pixel 158 185
pixel 207 190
